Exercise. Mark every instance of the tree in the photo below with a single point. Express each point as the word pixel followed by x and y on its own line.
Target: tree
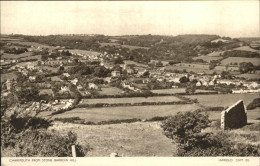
pixel 246 67
pixel 213 64
pixel 184 79
pixel 190 89
pixel 118 61
pixel 27 94
pixel 226 75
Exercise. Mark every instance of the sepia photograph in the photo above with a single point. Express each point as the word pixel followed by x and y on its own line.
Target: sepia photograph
pixel 118 79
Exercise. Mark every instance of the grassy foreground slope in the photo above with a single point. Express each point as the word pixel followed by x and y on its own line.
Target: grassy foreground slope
pixel 127 139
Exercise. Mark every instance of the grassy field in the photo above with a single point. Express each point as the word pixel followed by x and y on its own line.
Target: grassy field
pixel 134 47
pixel 131 100
pixel 6 76
pixel 207 58
pixel 83 52
pixel 110 91
pixel 46 91
pixel 177 90
pixel 128 112
pixel 169 91
pixel 224 100
pixel 109 44
pixel 195 70
pixel 34 44
pixel 247 48
pixel 53 69
pixel 248 76
pixel 227 61
pixel 38 57
pixel 216 53
pixel 127 139
pixel 252 115
pixel 16 56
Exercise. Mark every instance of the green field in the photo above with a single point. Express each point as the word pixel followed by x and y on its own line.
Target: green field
pixel 16 56
pixel 248 76
pixel 38 57
pixel 169 91
pixel 223 100
pixel 252 115
pixel 134 47
pixel 189 69
pixel 109 44
pixel 207 58
pixel 128 112
pixel 131 100
pixel 6 76
pixel 247 48
pixel 177 90
pixel 227 61
pixel 34 44
pixel 110 91
pixel 127 139
pixel 83 52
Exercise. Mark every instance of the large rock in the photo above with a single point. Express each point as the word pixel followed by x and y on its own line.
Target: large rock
pixel 234 117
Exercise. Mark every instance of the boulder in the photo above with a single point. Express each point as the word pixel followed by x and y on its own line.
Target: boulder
pixel 234 117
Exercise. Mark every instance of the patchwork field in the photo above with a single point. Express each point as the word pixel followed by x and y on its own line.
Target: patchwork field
pixel 131 100
pixel 227 61
pixel 127 139
pixel 128 112
pixel 223 100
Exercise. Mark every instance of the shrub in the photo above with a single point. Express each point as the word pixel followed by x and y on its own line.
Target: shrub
pixel 183 125
pixel 42 143
pixel 27 136
pixel 157 118
pixel 185 129
pixel 255 103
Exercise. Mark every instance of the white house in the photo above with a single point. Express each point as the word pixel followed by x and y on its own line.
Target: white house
pixel 74 81
pixel 32 78
pixel 198 83
pixel 92 86
pixel 66 74
pixel 115 73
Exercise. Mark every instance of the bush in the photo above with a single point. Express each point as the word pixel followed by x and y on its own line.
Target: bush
pixel 27 137
pixel 255 103
pixel 185 129
pixel 41 143
pixel 183 125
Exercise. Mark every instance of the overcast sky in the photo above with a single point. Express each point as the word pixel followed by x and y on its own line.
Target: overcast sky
pixel 225 18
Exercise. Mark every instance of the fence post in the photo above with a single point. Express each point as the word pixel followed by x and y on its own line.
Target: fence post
pixel 73 151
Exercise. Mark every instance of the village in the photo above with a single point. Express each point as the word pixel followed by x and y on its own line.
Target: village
pixel 109 86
